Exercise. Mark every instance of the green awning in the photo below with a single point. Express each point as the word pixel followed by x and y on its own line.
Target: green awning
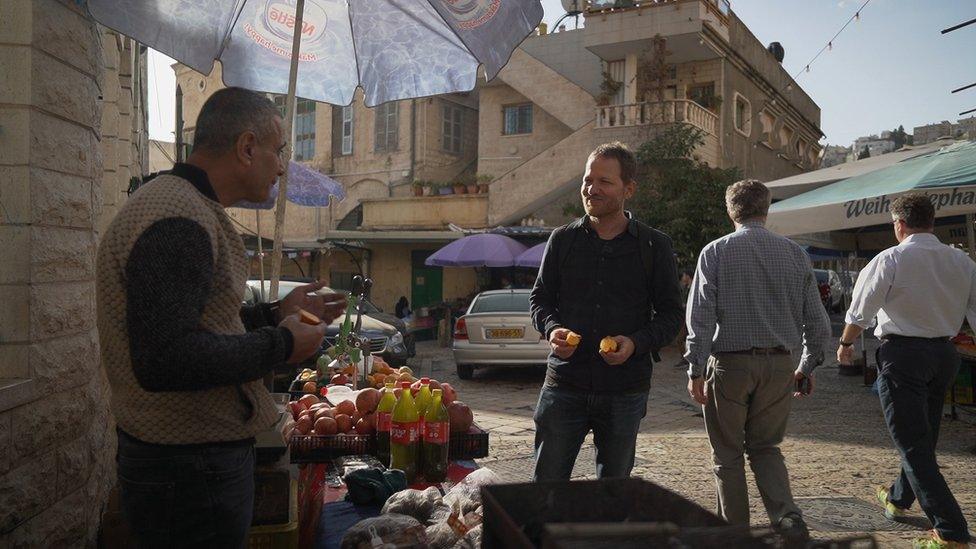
pixel 948 176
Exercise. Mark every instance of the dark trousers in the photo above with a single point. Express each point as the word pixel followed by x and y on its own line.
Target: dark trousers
pixel 913 376
pixel 188 496
pixel 562 420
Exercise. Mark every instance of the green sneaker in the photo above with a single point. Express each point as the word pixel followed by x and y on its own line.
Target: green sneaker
pixel 891 511
pixel 936 542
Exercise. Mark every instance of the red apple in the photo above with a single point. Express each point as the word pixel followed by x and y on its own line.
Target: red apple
pixel 450 395
pixel 295 408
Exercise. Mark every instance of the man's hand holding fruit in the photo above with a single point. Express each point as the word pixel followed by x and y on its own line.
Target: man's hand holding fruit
pixel 327 307
pixel 559 340
pixel 615 350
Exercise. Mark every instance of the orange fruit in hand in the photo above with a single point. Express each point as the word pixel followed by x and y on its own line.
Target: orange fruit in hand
pixel 608 345
pixel 308 318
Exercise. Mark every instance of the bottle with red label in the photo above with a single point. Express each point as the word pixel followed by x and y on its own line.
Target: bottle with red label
pixel 437 432
pixel 384 421
pixel 405 434
pixel 422 398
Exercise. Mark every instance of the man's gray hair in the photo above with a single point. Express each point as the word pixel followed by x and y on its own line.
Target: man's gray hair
pixel 915 209
pixel 228 113
pixel 747 200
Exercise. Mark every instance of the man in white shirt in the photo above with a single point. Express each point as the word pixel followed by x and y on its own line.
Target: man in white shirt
pixel 920 291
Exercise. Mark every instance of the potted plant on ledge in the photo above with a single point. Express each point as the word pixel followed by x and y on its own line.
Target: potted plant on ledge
pixel 483 181
pixel 444 188
pixel 471 183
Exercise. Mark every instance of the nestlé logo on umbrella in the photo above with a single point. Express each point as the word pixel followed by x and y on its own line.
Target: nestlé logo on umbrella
pixel 279 18
pixel 274 27
pixel 471 14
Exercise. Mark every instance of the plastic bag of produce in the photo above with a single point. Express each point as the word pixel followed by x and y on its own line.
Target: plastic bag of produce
pixel 454 529
pixel 441 536
pixel 471 540
pixel 467 493
pixel 390 531
pixel 419 504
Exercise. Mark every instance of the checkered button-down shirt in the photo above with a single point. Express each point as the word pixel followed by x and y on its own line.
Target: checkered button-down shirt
pixel 753 288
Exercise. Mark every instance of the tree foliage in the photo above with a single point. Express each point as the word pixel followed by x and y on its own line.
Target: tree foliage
pixel 679 194
pixel 901 137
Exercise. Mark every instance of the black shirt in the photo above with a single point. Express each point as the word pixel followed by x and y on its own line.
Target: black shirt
pixel 601 289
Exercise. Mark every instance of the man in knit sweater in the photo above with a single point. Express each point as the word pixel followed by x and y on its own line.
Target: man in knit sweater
pixel 183 359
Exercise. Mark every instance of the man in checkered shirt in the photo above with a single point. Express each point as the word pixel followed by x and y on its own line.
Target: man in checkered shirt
pixel 753 307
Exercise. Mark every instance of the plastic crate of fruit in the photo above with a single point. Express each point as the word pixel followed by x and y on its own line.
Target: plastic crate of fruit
pixel 324 448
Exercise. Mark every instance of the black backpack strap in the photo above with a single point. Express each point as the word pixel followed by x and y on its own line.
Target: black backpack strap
pixel 646 236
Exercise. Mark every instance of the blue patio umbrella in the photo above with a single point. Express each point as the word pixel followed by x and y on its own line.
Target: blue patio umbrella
pixel 308 188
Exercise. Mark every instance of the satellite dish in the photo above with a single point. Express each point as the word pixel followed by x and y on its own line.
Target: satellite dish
pixel 574 7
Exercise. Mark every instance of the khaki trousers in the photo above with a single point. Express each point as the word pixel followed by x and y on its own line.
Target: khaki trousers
pixel 746 413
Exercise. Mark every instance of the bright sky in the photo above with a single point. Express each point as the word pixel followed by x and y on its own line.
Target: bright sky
pixel 892 67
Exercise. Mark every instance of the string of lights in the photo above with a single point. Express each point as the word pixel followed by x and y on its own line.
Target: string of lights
pixel 830 43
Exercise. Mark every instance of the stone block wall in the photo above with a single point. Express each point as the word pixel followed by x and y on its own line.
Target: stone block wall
pixel 65 149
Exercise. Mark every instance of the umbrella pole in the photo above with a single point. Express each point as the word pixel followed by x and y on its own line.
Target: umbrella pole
pixel 970 236
pixel 287 130
pixel 257 220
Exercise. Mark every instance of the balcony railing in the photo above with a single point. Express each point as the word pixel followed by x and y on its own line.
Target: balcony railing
pixel 722 7
pixel 657 112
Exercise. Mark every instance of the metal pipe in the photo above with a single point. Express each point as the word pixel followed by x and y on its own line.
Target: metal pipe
pixel 963 88
pixel 959 26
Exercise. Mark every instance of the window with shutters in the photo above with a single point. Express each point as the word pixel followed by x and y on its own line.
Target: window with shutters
pixel 387 125
pixel 743 115
pixel 452 129
pixel 342 131
pixel 518 119
pixel 303 147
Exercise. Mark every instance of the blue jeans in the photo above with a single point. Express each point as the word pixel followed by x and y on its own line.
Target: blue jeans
pixel 186 496
pixel 913 375
pixel 562 420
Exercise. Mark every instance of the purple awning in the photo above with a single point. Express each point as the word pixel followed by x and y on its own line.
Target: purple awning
pixel 532 257
pixel 478 250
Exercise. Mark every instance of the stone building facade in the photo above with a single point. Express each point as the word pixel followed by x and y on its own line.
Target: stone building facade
pixel 550 106
pixel 376 154
pixel 530 129
pixel 964 128
pixel 72 134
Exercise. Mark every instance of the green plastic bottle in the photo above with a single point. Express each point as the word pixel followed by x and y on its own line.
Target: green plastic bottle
pixel 437 433
pixel 384 421
pixel 423 399
pixel 405 434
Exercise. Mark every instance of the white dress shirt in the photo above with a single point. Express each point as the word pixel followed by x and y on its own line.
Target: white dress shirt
pixel 919 288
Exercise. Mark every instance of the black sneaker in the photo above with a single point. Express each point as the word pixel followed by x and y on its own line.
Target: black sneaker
pixel 793 527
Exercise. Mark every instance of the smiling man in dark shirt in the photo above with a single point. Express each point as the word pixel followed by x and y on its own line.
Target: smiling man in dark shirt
pixel 604 275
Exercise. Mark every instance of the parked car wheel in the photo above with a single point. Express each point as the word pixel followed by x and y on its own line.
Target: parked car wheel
pixel 465 371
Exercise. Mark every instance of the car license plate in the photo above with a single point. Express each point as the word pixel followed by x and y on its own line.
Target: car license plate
pixel 505 333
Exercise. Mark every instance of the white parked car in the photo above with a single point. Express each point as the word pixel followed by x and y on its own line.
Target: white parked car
pixel 497 331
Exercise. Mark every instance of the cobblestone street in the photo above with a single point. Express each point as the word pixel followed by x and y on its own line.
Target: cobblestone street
pixel 837 447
